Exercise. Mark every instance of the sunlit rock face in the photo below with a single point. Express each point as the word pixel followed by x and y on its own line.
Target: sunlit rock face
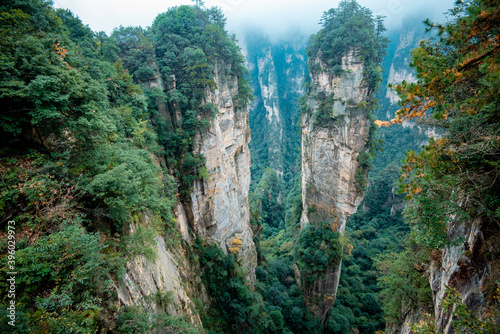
pixel 217 210
pixel 170 276
pixel 220 206
pixel 471 266
pixel 330 150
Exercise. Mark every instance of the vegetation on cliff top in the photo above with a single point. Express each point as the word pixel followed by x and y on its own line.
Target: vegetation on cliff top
pixel 91 146
pixel 350 27
pixel 86 153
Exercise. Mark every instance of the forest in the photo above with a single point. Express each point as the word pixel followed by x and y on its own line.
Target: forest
pixel 102 143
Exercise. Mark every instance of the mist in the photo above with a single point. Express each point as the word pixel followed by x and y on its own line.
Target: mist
pixel 276 18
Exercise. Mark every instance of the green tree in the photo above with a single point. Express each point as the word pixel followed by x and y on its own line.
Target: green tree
pixel 346 27
pixel 457 90
pixel 404 281
pixel 454 179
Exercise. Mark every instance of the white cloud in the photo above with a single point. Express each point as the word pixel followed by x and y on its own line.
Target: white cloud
pixel 276 17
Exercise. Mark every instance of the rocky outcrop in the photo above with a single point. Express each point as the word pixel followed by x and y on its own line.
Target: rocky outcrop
pixel 411 317
pixel 330 150
pixel 217 210
pixel 160 285
pixel 471 267
pixel 400 70
pixel 165 283
pixel 220 206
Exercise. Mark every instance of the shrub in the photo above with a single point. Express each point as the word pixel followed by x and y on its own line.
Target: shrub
pixel 56 275
pixel 317 246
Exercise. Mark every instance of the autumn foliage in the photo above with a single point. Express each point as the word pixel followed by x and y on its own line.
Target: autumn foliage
pixel 457 93
pixel 454 180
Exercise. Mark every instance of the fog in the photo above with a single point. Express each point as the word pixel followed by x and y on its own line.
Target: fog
pixel 277 18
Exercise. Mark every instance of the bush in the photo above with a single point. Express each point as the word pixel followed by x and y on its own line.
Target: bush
pixel 129 182
pixel 317 246
pixel 56 275
pixel 135 320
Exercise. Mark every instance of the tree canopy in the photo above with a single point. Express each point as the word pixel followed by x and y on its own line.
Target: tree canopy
pixel 458 92
pixel 455 178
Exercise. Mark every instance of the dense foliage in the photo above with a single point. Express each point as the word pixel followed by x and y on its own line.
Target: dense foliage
pixel 275 306
pixel 192 49
pixel 350 26
pixel 275 196
pixel 134 320
pixel 458 87
pixel 317 247
pixel 404 283
pixel 454 179
pixel 376 228
pixel 100 131
pixel 88 151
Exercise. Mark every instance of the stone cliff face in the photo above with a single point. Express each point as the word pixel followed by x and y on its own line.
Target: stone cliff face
pixel 400 70
pixel 277 72
pixel 170 274
pixel 220 206
pixel 471 267
pixel 330 151
pixel 330 158
pixel 218 210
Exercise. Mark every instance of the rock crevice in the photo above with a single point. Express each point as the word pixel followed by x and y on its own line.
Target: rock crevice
pixel 330 150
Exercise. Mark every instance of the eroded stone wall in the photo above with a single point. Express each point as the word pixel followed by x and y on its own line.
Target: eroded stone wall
pixel 330 151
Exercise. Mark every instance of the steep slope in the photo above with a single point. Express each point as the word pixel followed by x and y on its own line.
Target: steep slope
pixel 398 140
pixel 213 170
pixel 220 202
pixel 453 182
pixel 277 73
pixel 412 32
pixel 103 214
pixel 330 166
pixel 337 134
pixel 330 151
pixel 377 227
pixel 218 210
pixel 143 189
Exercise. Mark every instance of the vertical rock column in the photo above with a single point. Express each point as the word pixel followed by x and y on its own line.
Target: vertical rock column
pixel 220 206
pixel 331 145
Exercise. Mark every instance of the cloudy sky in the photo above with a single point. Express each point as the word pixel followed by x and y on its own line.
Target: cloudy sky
pixel 276 17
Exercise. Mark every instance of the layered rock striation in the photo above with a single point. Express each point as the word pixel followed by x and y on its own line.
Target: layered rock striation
pixel 217 210
pixel 335 131
pixel 219 204
pixel 471 267
pixel 330 150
